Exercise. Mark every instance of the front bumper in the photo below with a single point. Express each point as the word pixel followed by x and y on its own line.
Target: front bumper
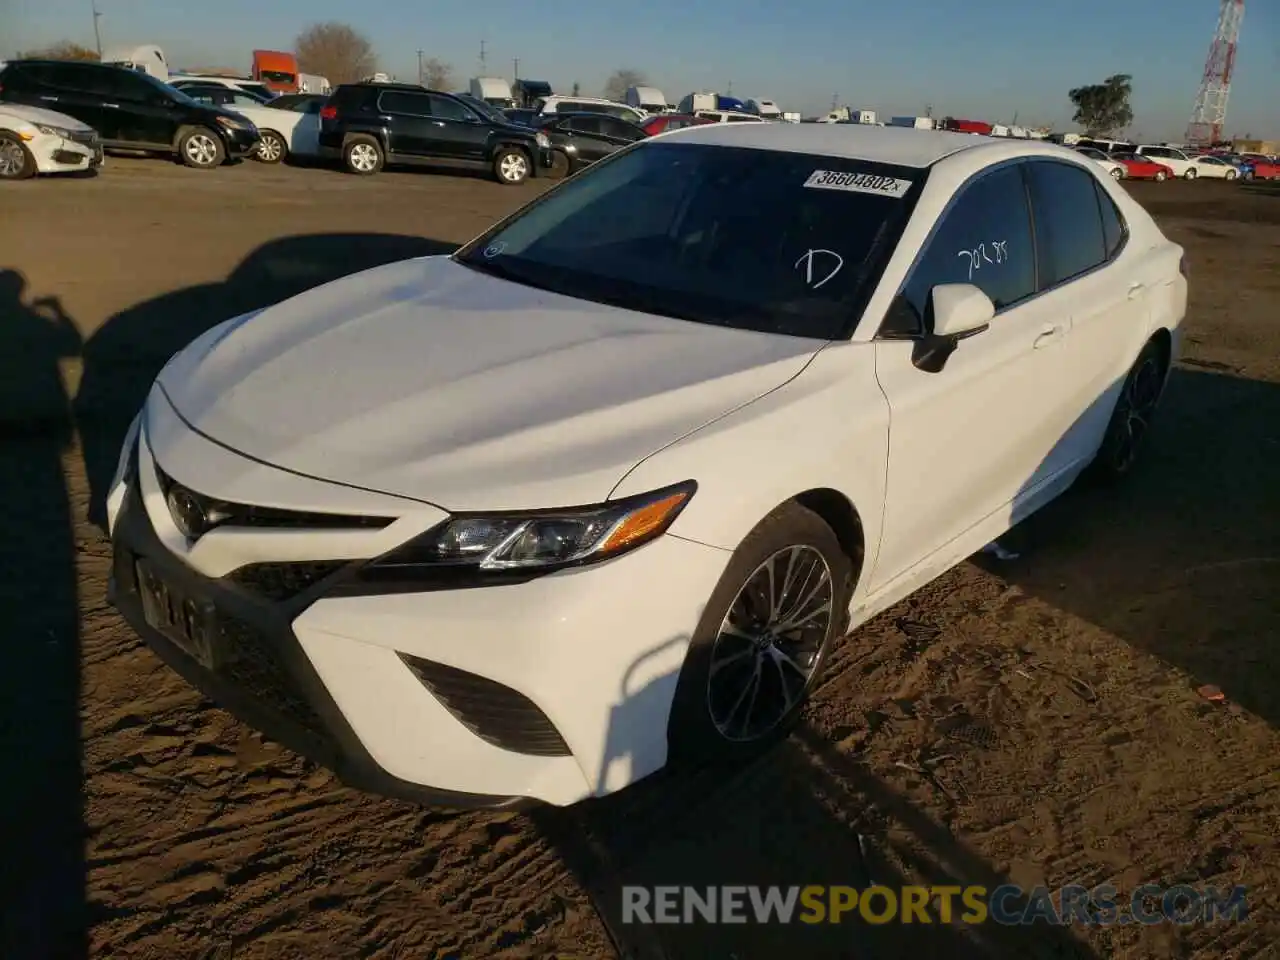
pixel 240 143
pixel 597 651
pixel 54 154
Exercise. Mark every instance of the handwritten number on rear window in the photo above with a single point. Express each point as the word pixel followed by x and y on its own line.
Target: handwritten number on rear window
pixel 981 254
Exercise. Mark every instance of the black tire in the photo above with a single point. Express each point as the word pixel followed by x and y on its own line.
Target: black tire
pixel 1231 175
pixel 1161 177
pixel 1131 417
pixel 1189 174
pixel 16 161
pixel 362 155
pixel 561 164
pixel 271 148
pixel 200 148
pixel 512 166
pixel 693 734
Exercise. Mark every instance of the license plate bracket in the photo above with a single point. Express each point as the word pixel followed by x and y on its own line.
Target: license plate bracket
pixel 190 624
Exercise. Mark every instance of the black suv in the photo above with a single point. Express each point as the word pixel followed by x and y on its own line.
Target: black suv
pixel 583 138
pixel 131 110
pixel 368 125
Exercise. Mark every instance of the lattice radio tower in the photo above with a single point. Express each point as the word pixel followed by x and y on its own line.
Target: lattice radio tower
pixel 1210 112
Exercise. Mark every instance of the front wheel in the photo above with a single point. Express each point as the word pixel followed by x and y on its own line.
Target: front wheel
pixel 1132 416
pixel 763 639
pixel 1231 175
pixel 201 148
pixel 1190 174
pixel 16 161
pixel 1118 173
pixel 1161 177
pixel 511 166
pixel 271 148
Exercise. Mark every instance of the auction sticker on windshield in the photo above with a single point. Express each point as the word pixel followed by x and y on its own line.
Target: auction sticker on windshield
pixel 858 183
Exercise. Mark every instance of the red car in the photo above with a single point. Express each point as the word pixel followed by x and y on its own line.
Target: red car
pixel 1264 167
pixel 1141 168
pixel 671 121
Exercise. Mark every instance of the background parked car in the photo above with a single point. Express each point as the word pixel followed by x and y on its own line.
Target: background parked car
pixel 368 125
pixel 286 129
pixel 556 104
pixel 34 140
pixel 1180 162
pixel 583 138
pixel 1113 167
pixel 1262 166
pixel 259 90
pixel 671 121
pixel 131 110
pixel 1214 168
pixel 522 115
pixel 1138 167
pixel 728 116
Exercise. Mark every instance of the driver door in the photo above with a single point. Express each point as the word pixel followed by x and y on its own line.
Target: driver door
pixel 966 440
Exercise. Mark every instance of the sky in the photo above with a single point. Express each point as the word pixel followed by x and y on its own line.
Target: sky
pixel 991 60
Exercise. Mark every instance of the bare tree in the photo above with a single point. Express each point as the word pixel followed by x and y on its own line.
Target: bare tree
pixel 437 75
pixel 616 87
pixel 335 51
pixel 64 50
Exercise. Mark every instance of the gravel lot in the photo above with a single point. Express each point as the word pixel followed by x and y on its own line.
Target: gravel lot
pixel 1062 685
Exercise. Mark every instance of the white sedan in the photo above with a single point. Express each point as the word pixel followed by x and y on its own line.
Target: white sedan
pixel 1215 168
pixel 601 490
pixel 35 140
pixel 288 125
pixel 1117 171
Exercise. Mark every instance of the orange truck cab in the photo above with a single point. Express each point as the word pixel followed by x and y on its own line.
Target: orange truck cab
pixel 278 70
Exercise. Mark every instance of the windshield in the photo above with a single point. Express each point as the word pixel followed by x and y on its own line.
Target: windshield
pixel 277 76
pixel 779 242
pixel 485 109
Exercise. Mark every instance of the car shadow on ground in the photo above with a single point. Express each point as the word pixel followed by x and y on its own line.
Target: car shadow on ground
pixel 42 913
pixel 1182 560
pixel 123 357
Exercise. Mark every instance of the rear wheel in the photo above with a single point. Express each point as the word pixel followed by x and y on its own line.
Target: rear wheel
pixel 1132 416
pixel 1161 177
pixel 561 164
pixel 16 161
pixel 362 155
pixel 1118 173
pixel 1231 175
pixel 763 639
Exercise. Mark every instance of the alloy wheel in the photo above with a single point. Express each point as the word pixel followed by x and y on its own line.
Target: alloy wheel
pixel 201 150
pixel 12 159
pixel 270 148
pixel 770 644
pixel 513 167
pixel 363 157
pixel 1137 405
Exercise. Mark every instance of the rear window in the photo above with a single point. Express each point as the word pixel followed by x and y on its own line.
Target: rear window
pixel 780 242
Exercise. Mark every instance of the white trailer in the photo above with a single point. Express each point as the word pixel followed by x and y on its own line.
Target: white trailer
pixel 492 90
pixel 699 101
pixel 764 108
pixel 646 99
pixel 310 83
pixel 146 58
pixel 917 123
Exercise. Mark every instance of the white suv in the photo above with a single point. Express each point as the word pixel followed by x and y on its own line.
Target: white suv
pixel 590 105
pixel 1176 160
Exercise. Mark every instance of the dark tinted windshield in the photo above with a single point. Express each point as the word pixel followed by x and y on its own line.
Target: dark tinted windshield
pixel 780 242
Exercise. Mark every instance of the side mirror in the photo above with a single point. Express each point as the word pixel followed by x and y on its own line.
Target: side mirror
pixel 960 311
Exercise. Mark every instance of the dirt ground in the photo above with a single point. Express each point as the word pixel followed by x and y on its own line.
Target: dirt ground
pixel 1059 689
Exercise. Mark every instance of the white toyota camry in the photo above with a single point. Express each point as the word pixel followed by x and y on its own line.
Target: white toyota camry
pixel 601 490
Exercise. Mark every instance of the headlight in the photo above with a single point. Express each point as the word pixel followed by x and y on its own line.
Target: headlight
pixel 54 131
pixel 541 540
pixel 543 140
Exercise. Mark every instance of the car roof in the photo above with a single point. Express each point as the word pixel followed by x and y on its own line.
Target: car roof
pixel 900 146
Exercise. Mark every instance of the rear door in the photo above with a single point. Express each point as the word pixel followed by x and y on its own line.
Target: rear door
pixel 1086 267
pixel 588 136
pixel 411 130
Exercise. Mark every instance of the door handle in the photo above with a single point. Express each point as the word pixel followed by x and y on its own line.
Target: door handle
pixel 113 106
pixel 50 99
pixel 1135 290
pixel 1048 335
pixel 437 123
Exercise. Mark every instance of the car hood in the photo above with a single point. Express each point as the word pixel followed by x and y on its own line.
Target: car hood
pixel 50 118
pixel 430 380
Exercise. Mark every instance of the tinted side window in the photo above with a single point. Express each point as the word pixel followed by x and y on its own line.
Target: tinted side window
pixel 1114 230
pixel 1069 236
pixel 410 104
pixel 619 129
pixel 584 124
pixel 129 86
pixel 984 239
pixel 447 109
pixel 73 76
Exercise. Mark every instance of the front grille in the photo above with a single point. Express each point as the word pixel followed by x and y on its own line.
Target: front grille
pixel 280 581
pixel 248 515
pixel 252 665
pixel 493 712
